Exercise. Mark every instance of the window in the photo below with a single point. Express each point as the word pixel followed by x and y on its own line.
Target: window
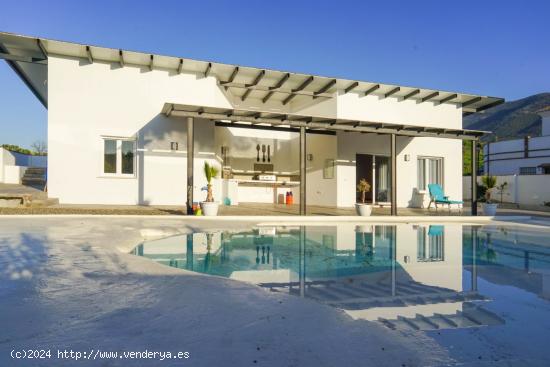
pixel 430 171
pixel 528 170
pixel 430 244
pixel 109 156
pixel 119 157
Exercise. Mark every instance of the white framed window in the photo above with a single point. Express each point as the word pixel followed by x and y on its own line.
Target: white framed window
pixel 119 157
pixel 430 171
pixel 430 246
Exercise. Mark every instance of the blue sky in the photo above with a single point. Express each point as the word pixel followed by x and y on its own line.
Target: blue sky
pixel 497 48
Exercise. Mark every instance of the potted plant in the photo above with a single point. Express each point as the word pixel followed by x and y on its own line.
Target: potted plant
pixel 361 208
pixel 209 206
pixel 489 183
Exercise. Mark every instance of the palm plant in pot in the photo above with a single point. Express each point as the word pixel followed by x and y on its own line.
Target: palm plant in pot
pixel 209 206
pixel 362 208
pixel 489 183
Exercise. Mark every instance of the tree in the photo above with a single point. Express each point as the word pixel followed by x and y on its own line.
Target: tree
pixel 467 158
pixel 40 147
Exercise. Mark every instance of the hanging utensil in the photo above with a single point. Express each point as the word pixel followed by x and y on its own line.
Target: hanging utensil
pixel 263 153
pixel 258 150
pixel 269 153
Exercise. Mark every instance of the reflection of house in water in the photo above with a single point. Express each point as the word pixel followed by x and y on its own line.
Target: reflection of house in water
pixel 504 262
pixel 404 276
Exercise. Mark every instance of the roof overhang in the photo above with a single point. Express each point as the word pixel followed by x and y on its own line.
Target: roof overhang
pixel 269 118
pixel 28 57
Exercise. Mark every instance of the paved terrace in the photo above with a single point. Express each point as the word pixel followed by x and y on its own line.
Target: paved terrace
pixel 243 209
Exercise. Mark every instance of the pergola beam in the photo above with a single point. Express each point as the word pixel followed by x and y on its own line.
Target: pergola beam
pixel 255 82
pixel 489 105
pixel 267 96
pixel 289 98
pixel 281 81
pixel 42 48
pixel 303 85
pixel 207 71
pixel 471 101
pixel 447 99
pixel 429 96
pixel 392 92
pixel 257 79
pixel 232 76
pixel 372 89
pixel 89 54
pixel 351 87
pixel 334 125
pixel 324 88
pixel 264 88
pixel 409 95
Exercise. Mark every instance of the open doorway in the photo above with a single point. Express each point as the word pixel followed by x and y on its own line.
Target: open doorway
pixel 376 170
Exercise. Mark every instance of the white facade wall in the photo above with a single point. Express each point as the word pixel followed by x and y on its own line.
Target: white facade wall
pixel 90 101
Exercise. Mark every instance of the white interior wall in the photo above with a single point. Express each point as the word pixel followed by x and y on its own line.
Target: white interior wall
pixel 320 191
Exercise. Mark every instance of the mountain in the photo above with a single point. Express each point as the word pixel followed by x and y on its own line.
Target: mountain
pixel 510 120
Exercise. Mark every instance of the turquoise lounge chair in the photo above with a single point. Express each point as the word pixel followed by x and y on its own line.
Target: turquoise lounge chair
pixel 437 196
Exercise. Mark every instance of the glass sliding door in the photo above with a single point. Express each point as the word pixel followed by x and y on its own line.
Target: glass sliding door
pixel 382 188
pixel 376 170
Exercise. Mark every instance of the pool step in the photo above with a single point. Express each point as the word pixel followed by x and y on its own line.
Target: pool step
pixel 470 316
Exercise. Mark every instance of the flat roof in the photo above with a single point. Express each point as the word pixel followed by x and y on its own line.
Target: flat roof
pixel 254 118
pixel 28 57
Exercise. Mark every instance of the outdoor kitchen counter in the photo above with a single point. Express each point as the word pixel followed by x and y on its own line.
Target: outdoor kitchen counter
pixel 267 183
pixel 257 191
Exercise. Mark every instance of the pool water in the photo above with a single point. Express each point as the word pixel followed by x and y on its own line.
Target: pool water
pixel 407 277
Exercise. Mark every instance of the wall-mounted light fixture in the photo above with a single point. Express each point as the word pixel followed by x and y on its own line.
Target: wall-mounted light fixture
pixel 407 157
pixel 173 145
pixel 309 157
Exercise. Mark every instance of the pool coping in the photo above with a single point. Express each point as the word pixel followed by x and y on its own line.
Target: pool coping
pixel 292 218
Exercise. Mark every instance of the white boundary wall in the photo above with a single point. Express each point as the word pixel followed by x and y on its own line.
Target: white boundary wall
pixel 13 165
pixel 523 190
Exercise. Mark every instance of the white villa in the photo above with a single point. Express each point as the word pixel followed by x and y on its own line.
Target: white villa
pixel 134 128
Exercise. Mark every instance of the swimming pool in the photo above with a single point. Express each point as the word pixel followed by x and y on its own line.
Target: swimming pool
pixel 447 280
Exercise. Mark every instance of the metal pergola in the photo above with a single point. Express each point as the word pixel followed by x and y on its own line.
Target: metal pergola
pixel 253 118
pixel 28 57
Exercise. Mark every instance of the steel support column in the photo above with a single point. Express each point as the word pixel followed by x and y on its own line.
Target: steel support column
pixel 190 164
pixel 393 150
pixel 302 171
pixel 474 177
